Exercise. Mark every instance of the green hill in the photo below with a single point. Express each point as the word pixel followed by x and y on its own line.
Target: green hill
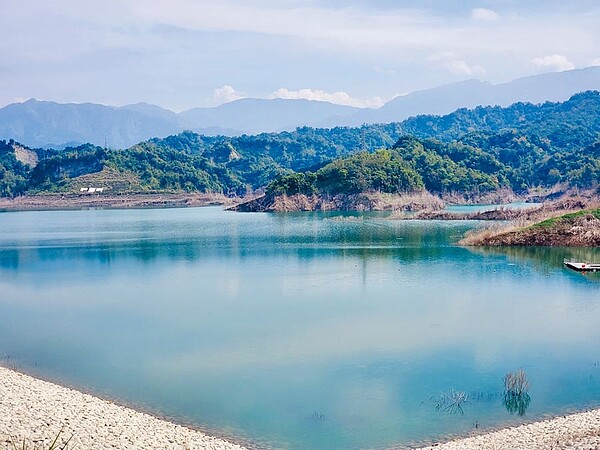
pixel 468 152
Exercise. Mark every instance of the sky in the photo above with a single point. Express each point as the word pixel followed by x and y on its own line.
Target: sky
pixel 181 54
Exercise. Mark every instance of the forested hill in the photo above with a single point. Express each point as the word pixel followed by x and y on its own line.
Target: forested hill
pixel 477 150
pixel 571 124
pixel 575 122
pixel 509 160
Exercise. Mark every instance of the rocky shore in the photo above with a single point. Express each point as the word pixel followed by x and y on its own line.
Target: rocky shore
pixel 573 432
pixel 366 201
pixel 36 411
pixel 577 229
pixel 114 201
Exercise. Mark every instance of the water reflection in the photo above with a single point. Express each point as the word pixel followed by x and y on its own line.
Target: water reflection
pixel 295 330
pixel 452 402
pixel 548 255
pixel 516 403
pixel 84 243
pixel 545 259
pixel 516 392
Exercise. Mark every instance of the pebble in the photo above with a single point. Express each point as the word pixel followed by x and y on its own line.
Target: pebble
pixel 37 411
pixel 579 431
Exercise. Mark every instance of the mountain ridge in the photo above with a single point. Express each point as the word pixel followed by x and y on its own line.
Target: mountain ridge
pixel 51 124
pixel 469 152
pixel 553 87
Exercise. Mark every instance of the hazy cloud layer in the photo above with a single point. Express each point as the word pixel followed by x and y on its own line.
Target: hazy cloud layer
pixel 175 53
pixel 340 98
pixel 454 64
pixel 554 62
pixel 485 14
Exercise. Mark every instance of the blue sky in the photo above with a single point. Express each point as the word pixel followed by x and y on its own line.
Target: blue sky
pixel 186 53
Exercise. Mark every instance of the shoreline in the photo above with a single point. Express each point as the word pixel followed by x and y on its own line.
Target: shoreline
pixel 66 202
pixel 572 431
pixel 562 229
pixel 37 410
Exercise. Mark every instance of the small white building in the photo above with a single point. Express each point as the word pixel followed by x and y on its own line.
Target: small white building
pixel 92 190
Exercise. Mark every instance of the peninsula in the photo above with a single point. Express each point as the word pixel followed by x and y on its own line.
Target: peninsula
pixel 574 229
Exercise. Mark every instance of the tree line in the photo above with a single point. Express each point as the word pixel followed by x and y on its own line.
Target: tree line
pixel 468 151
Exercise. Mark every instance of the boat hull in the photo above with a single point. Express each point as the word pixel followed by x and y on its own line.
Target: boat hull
pixel 582 266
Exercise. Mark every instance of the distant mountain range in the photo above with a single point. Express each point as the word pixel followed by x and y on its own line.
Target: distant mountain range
pixel 474 151
pixel 554 87
pixel 49 124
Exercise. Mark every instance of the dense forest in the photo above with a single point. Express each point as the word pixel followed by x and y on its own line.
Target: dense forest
pixel 469 151
pixel 14 175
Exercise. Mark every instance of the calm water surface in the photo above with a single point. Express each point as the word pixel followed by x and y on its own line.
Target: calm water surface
pixel 482 208
pixel 303 331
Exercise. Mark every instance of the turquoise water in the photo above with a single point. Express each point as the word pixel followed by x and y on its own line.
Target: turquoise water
pixel 304 330
pixel 491 207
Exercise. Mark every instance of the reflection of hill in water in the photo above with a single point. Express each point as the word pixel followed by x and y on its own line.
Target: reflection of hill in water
pixel 302 237
pixel 544 259
pixel 360 321
pixel 127 241
pixel 98 261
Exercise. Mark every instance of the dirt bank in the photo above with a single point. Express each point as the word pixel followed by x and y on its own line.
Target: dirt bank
pixel 367 201
pixel 576 229
pixel 85 201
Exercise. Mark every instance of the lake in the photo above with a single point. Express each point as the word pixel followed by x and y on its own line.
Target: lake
pixel 482 208
pixel 297 330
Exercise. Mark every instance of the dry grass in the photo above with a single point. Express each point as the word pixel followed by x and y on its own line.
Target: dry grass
pixel 24 444
pixel 114 181
pixel 410 201
pixel 504 195
pixel 529 217
pixel 452 402
pixel 516 392
pixel 366 201
pixel 477 237
pixel 516 383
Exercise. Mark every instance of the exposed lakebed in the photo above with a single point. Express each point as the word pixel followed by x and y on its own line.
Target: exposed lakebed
pixel 296 330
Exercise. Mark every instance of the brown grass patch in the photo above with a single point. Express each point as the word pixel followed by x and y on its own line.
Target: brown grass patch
pixel 557 230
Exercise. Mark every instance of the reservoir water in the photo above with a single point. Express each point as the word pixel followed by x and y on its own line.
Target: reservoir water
pixel 299 331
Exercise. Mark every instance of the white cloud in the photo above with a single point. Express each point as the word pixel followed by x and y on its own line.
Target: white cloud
pixel 197 45
pixel 225 94
pixel 350 28
pixel 442 56
pixel 459 67
pixel 384 71
pixel 339 98
pixel 452 62
pixel 595 62
pixel 556 63
pixel 486 15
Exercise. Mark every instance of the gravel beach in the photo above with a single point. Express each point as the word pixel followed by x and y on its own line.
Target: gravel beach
pixel 37 411
pixel 579 431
